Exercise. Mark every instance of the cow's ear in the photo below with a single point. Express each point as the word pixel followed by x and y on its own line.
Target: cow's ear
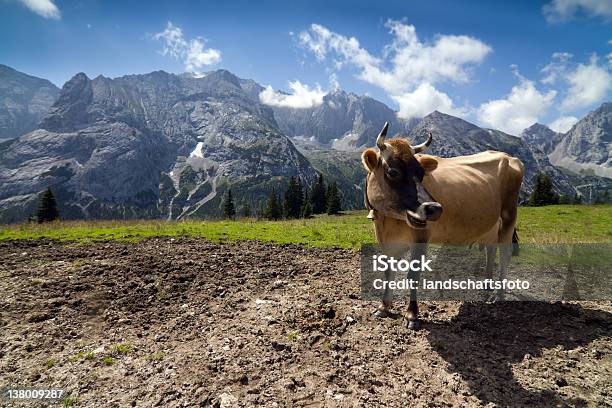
pixel 369 158
pixel 429 163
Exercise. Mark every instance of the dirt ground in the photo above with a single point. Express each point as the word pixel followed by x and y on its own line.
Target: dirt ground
pixel 186 322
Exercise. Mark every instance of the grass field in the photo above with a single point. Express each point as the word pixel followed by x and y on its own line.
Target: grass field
pixel 552 224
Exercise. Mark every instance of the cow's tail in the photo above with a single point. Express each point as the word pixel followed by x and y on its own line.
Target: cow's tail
pixel 515 244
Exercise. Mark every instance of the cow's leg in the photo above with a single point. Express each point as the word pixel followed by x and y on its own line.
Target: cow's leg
pixel 416 252
pixel 490 252
pixel 390 234
pixel 506 246
pixel 396 251
pixel 505 253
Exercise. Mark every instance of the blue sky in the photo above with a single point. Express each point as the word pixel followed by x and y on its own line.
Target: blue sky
pixel 497 63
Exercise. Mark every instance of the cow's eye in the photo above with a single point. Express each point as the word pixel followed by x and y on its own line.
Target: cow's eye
pixel 394 174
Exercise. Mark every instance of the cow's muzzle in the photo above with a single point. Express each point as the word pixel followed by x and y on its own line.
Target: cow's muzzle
pixel 429 211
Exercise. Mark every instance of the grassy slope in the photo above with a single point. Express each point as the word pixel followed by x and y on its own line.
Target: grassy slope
pixel 536 225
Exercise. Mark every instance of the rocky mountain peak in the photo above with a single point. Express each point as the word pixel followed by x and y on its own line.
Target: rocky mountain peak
pixel 541 137
pixel 537 127
pixel 587 147
pixel 344 121
pixel 69 112
pixel 445 123
pixel 24 100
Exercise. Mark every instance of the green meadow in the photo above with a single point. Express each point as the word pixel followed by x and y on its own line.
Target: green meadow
pixel 551 224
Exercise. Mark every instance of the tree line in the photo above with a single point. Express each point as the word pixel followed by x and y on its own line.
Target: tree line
pixel 296 201
pixel 544 194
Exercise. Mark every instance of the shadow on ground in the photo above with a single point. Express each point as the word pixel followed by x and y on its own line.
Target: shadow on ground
pixel 483 341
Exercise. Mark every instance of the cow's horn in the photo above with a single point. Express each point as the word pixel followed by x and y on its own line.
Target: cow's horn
pixel 423 146
pixel 380 140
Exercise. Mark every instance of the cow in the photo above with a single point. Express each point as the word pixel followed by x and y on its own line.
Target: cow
pixel 415 198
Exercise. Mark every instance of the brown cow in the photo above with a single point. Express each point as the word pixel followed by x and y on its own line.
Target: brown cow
pixel 417 198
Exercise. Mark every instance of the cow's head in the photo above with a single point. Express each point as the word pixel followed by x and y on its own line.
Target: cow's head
pixel 394 180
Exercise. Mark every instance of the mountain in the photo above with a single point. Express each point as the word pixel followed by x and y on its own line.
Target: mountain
pixel 344 121
pixel 542 137
pixel 24 100
pixel 161 145
pixel 454 137
pixel 587 147
pixel 153 145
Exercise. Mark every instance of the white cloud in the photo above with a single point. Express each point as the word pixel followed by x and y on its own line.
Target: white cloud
pixel 563 124
pixel 556 69
pixel 588 84
pixel 412 62
pixel 414 66
pixel 334 84
pixel 192 52
pixel 424 100
pixel 563 10
pixel 44 8
pixel 301 97
pixel 518 110
pixel 198 56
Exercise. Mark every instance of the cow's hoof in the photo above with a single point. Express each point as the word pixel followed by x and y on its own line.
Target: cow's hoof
pixel 414 324
pixel 381 313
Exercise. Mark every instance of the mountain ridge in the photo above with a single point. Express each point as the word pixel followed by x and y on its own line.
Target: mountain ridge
pixel 162 145
pixel 149 145
pixel 587 147
pixel 24 100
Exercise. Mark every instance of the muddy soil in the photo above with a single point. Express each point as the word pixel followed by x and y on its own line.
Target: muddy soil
pixel 185 322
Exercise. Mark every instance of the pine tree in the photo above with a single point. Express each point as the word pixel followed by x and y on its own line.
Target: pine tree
pixel 274 211
pixel 261 213
pixel 229 211
pixel 246 209
pixel 318 198
pixel 306 210
pixel 333 199
pixel 47 207
pixel 543 192
pixel 294 198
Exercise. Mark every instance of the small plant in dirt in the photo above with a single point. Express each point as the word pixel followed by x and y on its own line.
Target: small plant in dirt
pixel 70 401
pixel 76 357
pixel 90 356
pixel 37 281
pixel 50 363
pixel 293 336
pixel 159 356
pixel 161 295
pixel 78 263
pixel 121 348
pixel 108 361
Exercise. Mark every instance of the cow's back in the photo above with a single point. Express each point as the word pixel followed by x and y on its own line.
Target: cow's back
pixel 473 191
